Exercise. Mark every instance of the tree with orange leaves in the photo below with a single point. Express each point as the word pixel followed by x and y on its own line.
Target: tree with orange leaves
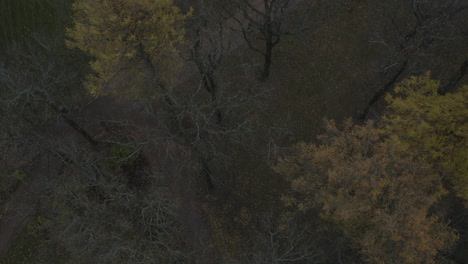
pixel 374 191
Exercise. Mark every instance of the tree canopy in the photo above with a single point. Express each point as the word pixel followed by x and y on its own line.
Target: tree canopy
pixel 426 122
pixel 370 188
pixel 131 40
pixel 189 131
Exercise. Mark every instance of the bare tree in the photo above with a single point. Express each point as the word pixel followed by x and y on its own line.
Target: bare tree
pixel 102 213
pixel 206 140
pixel 281 240
pixel 413 36
pixel 208 50
pixel 264 22
pixel 36 83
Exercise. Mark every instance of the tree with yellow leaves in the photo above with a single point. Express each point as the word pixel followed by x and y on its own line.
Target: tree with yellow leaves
pixel 374 191
pixel 133 43
pixel 424 121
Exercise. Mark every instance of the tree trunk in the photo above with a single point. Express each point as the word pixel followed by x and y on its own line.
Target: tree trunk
pixel 383 91
pixel 74 125
pixel 149 64
pixel 455 79
pixel 267 61
pixel 80 130
pixel 210 86
pixel 208 178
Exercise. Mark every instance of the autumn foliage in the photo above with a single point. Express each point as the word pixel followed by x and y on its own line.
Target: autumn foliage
pixel 131 40
pixel 373 190
pixel 378 183
pixel 424 121
pixel 169 131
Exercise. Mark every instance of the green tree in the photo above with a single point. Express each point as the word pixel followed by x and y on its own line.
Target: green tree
pixel 427 122
pixel 132 42
pixel 376 193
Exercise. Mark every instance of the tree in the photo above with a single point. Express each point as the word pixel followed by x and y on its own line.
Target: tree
pixel 415 34
pixel 425 121
pixel 208 51
pixel 111 208
pixel 38 82
pixel 263 22
pixel 282 240
pixel 375 192
pixel 132 41
pixel 206 139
